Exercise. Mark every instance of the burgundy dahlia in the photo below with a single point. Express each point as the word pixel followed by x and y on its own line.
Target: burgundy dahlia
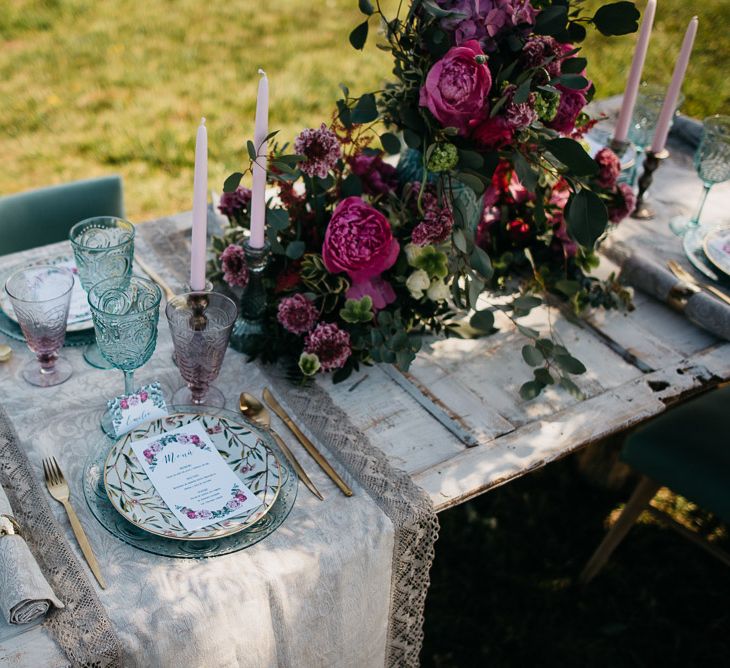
pixel 330 344
pixel 320 148
pixel 235 205
pixel 297 314
pixel 378 177
pixel 235 269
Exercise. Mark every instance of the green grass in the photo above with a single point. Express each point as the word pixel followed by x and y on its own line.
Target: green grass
pixel 97 87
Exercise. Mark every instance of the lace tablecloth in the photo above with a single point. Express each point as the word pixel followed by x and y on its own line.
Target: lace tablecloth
pixel 341 583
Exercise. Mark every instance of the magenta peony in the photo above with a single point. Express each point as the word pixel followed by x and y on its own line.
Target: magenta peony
pixel 379 290
pixel 235 269
pixel 358 241
pixel 610 168
pixel 330 344
pixel 493 133
pixel 456 88
pixel 297 314
pixel 378 177
pixel 625 202
pixel 320 148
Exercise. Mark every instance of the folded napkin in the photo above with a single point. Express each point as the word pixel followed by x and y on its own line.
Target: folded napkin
pixel 24 592
pixel 701 308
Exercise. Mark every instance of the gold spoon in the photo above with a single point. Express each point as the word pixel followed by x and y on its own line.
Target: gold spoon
pixel 254 410
pixel 6 352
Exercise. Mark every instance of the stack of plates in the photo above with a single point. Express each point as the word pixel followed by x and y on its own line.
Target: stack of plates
pixel 126 503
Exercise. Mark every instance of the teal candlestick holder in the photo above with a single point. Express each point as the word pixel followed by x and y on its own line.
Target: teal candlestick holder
pixel 248 330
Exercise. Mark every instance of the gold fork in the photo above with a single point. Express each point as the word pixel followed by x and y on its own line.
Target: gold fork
pixel 58 488
pixel 683 275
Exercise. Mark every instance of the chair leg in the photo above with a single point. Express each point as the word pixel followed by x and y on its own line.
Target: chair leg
pixel 643 494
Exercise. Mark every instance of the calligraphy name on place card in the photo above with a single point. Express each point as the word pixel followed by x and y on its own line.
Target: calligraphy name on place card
pixel 130 410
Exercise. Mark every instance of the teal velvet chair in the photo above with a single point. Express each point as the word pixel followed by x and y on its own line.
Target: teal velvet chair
pixel 686 449
pixel 44 216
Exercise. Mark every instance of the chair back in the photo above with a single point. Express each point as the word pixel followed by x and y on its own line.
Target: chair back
pixel 44 216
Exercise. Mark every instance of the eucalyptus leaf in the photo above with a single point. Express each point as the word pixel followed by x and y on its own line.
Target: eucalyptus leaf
pixel 277 219
pixel 470 159
pixel 482 320
pixel 573 156
pixel 351 186
pixel 459 240
pixel 528 331
pixel 390 143
pixel 617 18
pixel 251 150
pixel 532 355
pixel 570 364
pixel 531 389
pixel 359 36
pixel 587 217
pixel 295 250
pixel 573 65
pixel 232 182
pixel 366 8
pixel 544 377
pixel 412 139
pixel 573 81
pixel 480 261
pixel 571 387
pixel 365 110
pixel 471 180
pixel 551 20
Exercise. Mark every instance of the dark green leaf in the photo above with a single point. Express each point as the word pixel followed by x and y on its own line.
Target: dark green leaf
pixel 528 332
pixel 573 156
pixel 251 150
pixel 359 35
pixel 232 182
pixel 573 81
pixel 470 159
pixel 524 172
pixel 460 240
pixel 524 304
pixel 532 355
pixel 570 364
pixel 531 389
pixel 404 359
pixel 341 374
pixel 366 8
pixel 283 167
pixel 277 219
pixel 434 10
pixel 566 287
pixel 571 387
pixel 390 143
pixel 365 110
pixel 482 320
pixel 413 139
pixel 344 113
pixel 587 217
pixel 545 346
pixel 544 377
pixel 618 18
pixel 471 180
pixel 475 288
pixel 295 250
pixel 576 32
pixel 522 92
pixel 480 261
pixel 551 20
pixel 573 65
pixel 351 186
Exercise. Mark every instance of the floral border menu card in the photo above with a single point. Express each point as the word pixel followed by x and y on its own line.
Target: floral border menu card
pixel 192 477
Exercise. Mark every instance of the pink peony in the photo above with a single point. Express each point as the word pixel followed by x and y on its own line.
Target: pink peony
pixel 456 88
pixel 378 177
pixel 493 133
pixel 570 105
pixel 320 148
pixel 190 514
pixel 297 314
pixel 625 202
pixel 330 344
pixel 610 168
pixel 358 241
pixel 379 290
pixel 235 269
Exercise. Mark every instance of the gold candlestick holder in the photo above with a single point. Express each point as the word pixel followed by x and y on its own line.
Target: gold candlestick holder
pixel 651 163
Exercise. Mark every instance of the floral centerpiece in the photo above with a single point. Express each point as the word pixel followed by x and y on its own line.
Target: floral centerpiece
pixel 493 191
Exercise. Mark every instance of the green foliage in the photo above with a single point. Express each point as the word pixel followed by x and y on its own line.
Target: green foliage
pixel 358 310
pixel 309 364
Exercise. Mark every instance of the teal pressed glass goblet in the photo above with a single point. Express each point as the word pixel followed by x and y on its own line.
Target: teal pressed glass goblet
pixel 103 247
pixel 125 311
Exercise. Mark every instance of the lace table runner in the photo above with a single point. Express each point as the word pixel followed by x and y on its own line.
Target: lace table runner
pixel 82 628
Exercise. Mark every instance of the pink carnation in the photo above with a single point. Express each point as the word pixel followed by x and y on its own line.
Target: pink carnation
pixel 610 168
pixel 625 202
pixel 297 314
pixel 235 269
pixel 330 344
pixel 320 148
pixel 435 227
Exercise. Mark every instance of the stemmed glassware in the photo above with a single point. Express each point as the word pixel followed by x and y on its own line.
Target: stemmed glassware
pixel 125 311
pixel 103 247
pixel 712 162
pixel 200 324
pixel 41 296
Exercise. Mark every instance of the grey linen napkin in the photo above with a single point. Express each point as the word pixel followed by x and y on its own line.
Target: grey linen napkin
pixel 24 591
pixel 702 309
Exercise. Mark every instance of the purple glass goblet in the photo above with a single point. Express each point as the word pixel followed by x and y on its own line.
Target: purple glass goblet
pixel 200 324
pixel 40 296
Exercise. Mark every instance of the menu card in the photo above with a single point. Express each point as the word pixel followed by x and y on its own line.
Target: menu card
pixel 192 477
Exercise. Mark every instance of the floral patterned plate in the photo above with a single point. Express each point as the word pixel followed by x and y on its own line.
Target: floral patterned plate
pixel 79 313
pixel 717 248
pixel 242 445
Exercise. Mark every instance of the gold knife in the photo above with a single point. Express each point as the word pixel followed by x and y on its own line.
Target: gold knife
pixel 683 275
pixel 308 445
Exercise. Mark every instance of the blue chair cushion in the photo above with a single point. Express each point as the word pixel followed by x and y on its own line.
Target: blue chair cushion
pixel 688 450
pixel 44 216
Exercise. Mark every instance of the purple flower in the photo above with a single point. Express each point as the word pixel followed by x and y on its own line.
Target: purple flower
pixel 214 430
pixel 124 404
pixel 195 439
pixel 143 396
pixel 610 168
pixel 205 514
pixel 236 205
pixel 378 177
pixel 156 447
pixel 191 514
pixel 483 20
pixel 320 148
pixel 148 453
pixel 241 496
pixel 297 314
pixel 330 344
pixel 570 105
pixel 235 269
pixel 233 504
pixel 520 115
pixel 183 438
pixel 435 227
pixel 623 204
pixel 456 88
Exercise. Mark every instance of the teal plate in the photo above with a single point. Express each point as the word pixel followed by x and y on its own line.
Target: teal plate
pixel 103 510
pixel 73 339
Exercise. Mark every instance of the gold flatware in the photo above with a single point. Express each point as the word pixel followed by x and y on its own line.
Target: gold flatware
pixel 169 292
pixel 308 445
pixel 253 409
pixel 683 275
pixel 6 352
pixel 59 490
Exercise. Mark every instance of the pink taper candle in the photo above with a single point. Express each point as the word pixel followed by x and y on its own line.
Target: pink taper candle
pixel 200 210
pixel 670 101
pixel 258 194
pixel 637 65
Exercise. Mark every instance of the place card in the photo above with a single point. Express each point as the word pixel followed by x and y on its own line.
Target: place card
pixel 131 410
pixel 192 477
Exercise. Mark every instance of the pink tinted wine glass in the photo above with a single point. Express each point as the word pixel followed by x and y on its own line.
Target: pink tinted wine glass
pixel 41 296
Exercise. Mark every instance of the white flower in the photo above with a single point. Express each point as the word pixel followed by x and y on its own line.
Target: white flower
pixel 438 291
pixel 417 283
pixel 412 253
